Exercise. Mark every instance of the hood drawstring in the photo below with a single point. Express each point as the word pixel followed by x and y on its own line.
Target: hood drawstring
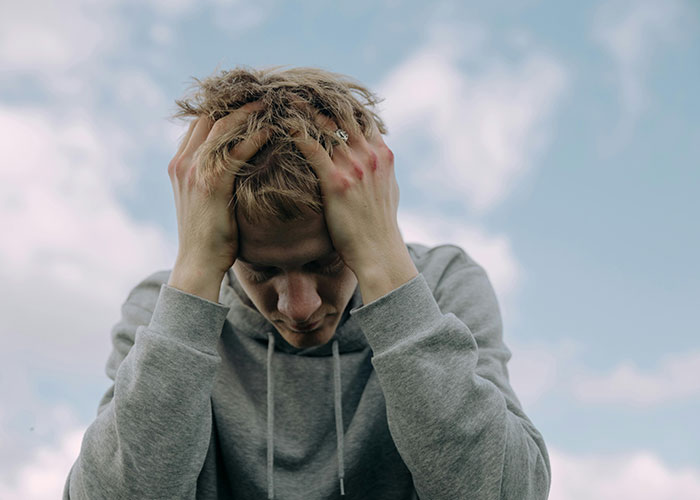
pixel 339 416
pixel 270 417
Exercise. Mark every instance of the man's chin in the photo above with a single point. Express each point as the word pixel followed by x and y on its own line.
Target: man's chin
pixel 308 339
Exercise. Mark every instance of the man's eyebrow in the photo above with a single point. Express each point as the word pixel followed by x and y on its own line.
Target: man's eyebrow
pixel 334 253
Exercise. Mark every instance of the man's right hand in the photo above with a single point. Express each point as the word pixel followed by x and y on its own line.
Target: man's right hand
pixel 207 229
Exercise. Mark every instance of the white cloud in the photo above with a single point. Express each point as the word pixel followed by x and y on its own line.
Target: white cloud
pixel 538 369
pixel 34 464
pixel 44 474
pixel 639 475
pixel 559 370
pixel 64 218
pixel 633 32
pixel 62 47
pixel 45 34
pixel 50 41
pixel 61 50
pixel 71 253
pixel 484 128
pixel 69 256
pixel 676 377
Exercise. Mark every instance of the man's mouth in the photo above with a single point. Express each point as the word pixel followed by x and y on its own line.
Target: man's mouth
pixel 306 328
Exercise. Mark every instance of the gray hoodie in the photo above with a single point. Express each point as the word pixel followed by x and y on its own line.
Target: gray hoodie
pixel 410 399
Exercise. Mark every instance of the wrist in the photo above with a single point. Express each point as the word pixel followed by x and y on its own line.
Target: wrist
pixel 385 275
pixel 196 280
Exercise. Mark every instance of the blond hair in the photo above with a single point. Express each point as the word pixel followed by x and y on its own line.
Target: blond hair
pixel 277 180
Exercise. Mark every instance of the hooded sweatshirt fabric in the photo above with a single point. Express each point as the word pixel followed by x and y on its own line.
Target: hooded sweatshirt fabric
pixel 410 399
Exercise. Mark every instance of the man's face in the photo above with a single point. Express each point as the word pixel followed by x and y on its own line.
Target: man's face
pixel 293 277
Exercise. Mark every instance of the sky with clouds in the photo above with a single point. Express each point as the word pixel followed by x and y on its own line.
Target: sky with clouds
pixel 556 142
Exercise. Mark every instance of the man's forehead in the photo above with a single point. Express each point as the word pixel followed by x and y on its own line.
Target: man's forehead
pixel 282 244
pixel 286 251
pixel 271 262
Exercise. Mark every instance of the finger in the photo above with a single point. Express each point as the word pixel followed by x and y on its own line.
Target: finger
pixel 206 127
pixel 188 134
pixel 247 148
pixel 377 139
pixel 324 122
pixel 316 155
pixel 199 134
pixel 235 118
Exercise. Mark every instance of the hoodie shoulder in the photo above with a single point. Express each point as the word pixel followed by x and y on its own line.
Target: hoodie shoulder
pixel 145 294
pixel 434 262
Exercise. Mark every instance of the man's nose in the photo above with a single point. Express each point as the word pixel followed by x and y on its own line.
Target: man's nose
pixel 298 298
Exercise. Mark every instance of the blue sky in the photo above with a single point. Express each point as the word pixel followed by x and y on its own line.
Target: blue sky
pixel 556 142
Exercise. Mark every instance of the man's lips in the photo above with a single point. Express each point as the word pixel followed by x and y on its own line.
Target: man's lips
pixel 306 328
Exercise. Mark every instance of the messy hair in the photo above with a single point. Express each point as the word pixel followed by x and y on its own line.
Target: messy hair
pixel 277 181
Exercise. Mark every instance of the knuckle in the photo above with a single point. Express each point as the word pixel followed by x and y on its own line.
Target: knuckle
pixel 340 181
pixel 218 125
pixel 359 173
pixel 178 167
pixel 389 154
pixel 373 160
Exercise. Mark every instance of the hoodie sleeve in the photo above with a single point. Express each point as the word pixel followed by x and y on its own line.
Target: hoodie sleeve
pixel 441 362
pixel 153 425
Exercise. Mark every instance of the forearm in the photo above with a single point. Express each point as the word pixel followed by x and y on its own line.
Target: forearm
pixel 452 425
pixel 151 439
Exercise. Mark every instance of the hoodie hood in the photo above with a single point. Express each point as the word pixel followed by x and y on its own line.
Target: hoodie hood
pixel 348 337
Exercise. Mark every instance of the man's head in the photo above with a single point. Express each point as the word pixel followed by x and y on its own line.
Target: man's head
pixel 286 262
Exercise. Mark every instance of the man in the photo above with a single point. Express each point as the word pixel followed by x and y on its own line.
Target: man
pixel 299 348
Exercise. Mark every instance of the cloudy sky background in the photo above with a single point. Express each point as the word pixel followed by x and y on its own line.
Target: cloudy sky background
pixel 556 142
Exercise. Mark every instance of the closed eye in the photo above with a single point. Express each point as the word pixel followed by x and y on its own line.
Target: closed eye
pixel 334 266
pixel 260 274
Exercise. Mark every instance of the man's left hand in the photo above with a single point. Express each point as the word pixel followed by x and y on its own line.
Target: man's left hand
pixel 360 202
